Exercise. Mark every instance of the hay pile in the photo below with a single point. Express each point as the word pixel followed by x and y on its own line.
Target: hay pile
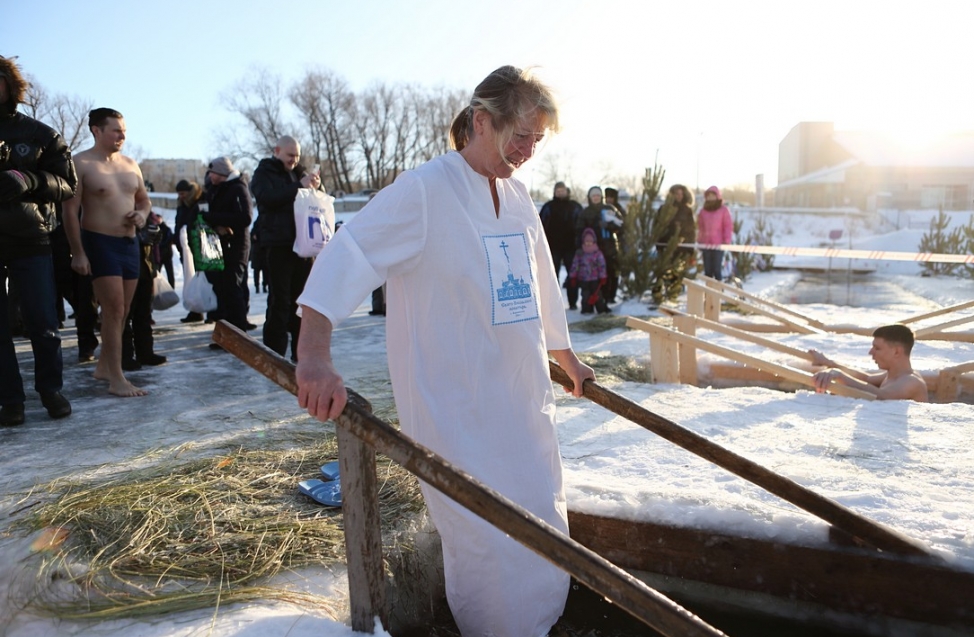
pixel 195 535
pixel 613 369
pixel 599 323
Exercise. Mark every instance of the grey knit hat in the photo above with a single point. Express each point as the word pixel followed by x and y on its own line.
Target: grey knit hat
pixel 221 166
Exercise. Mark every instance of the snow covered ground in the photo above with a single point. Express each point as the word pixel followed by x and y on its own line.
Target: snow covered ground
pixel 907 465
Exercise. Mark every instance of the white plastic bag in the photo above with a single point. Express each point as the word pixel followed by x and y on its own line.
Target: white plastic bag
pixel 314 221
pixel 163 296
pixel 198 294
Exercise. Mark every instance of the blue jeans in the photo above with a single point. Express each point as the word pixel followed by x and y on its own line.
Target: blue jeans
pixel 713 261
pixel 39 309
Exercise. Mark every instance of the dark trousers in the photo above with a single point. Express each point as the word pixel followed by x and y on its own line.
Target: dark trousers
pixel 588 288
pixel 14 318
pixel 170 272
pixel 712 262
pixel 137 339
pixel 63 274
pixel 378 301
pixel 85 313
pixel 612 276
pixel 231 301
pixel 230 285
pixel 40 319
pixel 564 258
pixel 286 274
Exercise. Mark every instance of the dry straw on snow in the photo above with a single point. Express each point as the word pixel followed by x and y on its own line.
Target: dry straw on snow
pixel 199 534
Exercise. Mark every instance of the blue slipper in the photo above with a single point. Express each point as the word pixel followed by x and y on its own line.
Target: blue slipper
pixel 330 470
pixel 326 493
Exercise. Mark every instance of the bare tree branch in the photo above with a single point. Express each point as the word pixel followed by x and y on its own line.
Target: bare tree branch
pixel 257 98
pixel 326 105
pixel 67 114
pixel 363 139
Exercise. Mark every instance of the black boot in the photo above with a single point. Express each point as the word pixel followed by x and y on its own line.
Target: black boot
pixel 56 404
pixel 151 358
pixel 12 415
pixel 192 317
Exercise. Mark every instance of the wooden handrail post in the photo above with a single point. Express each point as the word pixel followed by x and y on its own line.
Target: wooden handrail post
pixel 663 361
pixel 694 298
pixel 948 382
pixel 711 303
pixel 363 533
pixel 687 352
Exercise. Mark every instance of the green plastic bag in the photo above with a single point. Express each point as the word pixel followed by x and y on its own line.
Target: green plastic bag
pixel 206 247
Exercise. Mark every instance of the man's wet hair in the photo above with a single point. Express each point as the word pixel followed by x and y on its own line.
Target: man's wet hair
pixel 100 116
pixel 899 334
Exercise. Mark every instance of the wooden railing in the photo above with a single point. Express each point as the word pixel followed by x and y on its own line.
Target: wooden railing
pixel 361 435
pixel 704 296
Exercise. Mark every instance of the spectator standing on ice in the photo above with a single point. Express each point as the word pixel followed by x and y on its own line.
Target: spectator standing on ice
pixel 257 259
pixel 103 243
pixel 588 273
pixel 474 305
pixel 138 343
pixel 612 198
pixel 36 172
pixel 229 213
pixel 558 218
pixel 679 206
pixel 188 196
pixel 896 380
pixel 606 222
pixel 275 186
pixel 714 227
pixel 162 251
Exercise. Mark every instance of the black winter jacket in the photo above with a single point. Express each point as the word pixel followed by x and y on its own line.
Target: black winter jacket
pixel 33 147
pixel 558 218
pixel 230 206
pixel 681 224
pixel 275 189
pixel 605 221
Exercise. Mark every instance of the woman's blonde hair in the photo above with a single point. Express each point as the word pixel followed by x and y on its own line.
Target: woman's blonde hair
pixel 508 95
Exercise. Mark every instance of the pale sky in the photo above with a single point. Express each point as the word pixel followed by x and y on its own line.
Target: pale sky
pixel 710 85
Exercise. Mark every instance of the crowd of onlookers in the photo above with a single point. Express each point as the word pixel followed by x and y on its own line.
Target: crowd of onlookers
pixel 81 229
pixel 586 240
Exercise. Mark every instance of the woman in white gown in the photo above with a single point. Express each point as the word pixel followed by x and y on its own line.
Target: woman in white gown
pixel 473 311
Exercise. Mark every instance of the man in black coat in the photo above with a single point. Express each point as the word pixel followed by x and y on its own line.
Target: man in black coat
pixel 558 218
pixel 230 213
pixel 36 172
pixel 275 186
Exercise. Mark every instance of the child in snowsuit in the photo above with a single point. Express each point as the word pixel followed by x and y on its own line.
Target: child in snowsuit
pixel 589 273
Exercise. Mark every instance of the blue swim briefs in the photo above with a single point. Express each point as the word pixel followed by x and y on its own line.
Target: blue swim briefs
pixel 111 256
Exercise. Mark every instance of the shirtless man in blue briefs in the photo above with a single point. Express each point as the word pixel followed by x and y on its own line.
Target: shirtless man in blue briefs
pixel 110 204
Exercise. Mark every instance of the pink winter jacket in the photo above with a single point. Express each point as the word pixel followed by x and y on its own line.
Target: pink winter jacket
pixel 715 227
